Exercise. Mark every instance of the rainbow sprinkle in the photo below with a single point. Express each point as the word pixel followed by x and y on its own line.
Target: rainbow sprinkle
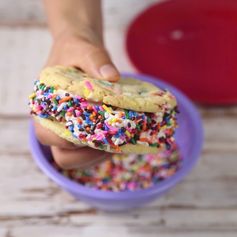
pixel 88 85
pixel 128 172
pixel 103 126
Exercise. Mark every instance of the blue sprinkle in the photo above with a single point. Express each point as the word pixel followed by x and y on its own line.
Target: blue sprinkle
pixel 71 128
pixel 76 101
pixel 106 128
pixel 44 115
pixel 166 165
pixel 86 114
pixel 105 141
pixel 117 135
pixel 88 120
pixel 132 114
pixel 97 107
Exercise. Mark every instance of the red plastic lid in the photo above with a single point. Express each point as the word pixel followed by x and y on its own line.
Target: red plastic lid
pixel 191 44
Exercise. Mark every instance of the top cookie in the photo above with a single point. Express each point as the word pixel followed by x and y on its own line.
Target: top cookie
pixel 127 93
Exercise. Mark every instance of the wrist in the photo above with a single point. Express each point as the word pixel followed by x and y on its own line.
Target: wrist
pixel 87 33
pixel 75 17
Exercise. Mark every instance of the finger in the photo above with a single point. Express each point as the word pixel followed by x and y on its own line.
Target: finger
pixel 46 137
pixel 97 63
pixel 92 59
pixel 81 158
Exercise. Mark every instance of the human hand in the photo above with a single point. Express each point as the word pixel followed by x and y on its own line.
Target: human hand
pixel 83 50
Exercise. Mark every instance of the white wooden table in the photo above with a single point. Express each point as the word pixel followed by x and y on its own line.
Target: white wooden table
pixel 204 204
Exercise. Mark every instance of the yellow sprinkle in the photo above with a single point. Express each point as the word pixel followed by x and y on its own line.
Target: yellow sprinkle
pixel 128 133
pixel 86 92
pixel 107 109
pixel 113 120
pixel 67 133
pixel 32 96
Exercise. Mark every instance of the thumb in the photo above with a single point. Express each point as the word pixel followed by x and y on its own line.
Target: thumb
pixel 96 62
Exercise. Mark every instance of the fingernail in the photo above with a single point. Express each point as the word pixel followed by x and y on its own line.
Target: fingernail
pixel 108 71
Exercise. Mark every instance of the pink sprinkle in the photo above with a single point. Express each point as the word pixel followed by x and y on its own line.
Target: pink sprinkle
pixel 88 85
pixel 132 185
pixel 84 104
pixel 111 129
pixel 38 108
pixel 99 137
pixel 78 113
pixel 78 97
pixel 70 109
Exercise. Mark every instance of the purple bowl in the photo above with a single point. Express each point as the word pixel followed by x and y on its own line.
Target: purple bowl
pixel 189 137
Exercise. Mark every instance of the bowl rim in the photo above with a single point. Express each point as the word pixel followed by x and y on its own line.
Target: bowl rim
pixel 76 188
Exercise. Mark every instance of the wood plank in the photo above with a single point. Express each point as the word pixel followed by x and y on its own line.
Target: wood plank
pixel 220 129
pixel 121 13
pixel 12 11
pixel 218 111
pixel 172 219
pixel 31 188
pixel 3 232
pixel 23 57
pixel 108 231
pixel 31 11
pixel 220 135
pixel 199 191
pixel 14 136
